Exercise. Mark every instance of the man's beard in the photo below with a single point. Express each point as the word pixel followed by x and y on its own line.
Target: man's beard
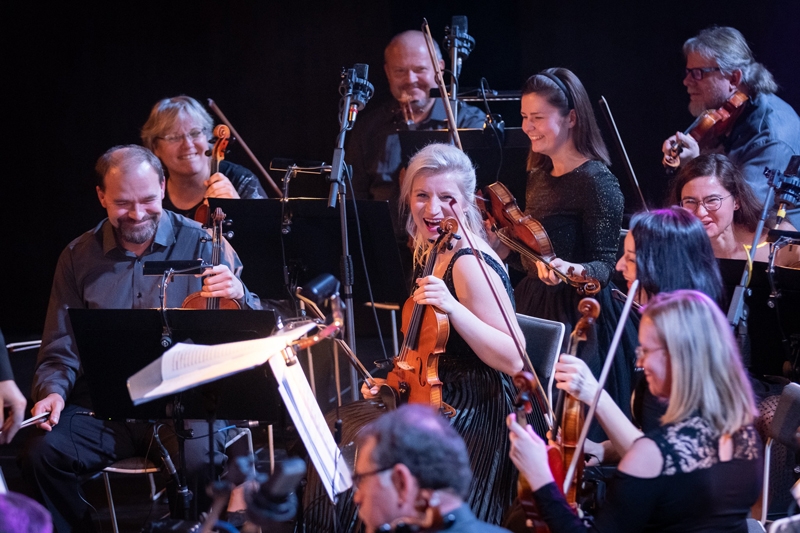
pixel 139 234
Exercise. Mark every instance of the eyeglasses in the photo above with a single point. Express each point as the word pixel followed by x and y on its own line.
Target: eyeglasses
pixel 699 73
pixel 642 352
pixel 710 203
pixel 175 138
pixel 358 478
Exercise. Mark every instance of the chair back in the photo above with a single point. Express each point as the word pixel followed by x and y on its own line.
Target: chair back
pixel 543 340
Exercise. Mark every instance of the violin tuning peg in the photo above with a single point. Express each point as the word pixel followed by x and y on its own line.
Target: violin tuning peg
pixel 229 235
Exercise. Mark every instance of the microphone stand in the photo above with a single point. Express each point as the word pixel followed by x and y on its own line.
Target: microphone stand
pixel 787 189
pixel 356 92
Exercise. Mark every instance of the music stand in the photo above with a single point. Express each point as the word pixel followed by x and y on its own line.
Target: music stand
pixel 313 245
pixel 482 148
pixel 116 343
pixel 766 325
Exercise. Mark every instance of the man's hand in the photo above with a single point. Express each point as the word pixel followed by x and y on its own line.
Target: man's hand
pixel 11 398
pixel 220 282
pixel 54 403
pixel 681 148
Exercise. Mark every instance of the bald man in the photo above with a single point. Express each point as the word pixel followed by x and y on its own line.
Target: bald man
pixel 374 146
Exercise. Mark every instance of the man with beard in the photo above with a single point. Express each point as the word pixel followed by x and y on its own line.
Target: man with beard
pixel 374 146
pixel 103 269
pixel 767 132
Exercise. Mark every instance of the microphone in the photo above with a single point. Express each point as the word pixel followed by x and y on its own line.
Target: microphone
pixel 787 187
pixel 354 84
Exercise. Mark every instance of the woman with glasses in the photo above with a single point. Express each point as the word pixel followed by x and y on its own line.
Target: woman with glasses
pixel 700 469
pixel 178 131
pixel 713 188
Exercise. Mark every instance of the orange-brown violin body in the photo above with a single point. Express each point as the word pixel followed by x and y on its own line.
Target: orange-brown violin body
pixel 418 381
pixel 414 377
pixel 195 300
pixel 572 413
pixel 527 390
pixel 710 126
pixel 526 235
pixel 715 123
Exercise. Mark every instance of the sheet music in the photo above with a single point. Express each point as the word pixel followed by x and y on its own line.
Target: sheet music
pixel 311 426
pixel 188 365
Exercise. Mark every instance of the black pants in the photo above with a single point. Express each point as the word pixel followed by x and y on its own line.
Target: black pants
pixel 55 463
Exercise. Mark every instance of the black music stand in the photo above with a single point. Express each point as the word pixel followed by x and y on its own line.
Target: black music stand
pixel 482 147
pixel 116 343
pixel 766 325
pixel 313 245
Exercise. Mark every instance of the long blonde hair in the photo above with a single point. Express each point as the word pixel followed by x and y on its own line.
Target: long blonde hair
pixel 708 376
pixel 434 160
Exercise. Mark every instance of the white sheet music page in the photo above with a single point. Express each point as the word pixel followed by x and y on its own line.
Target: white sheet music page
pixel 311 426
pixel 188 365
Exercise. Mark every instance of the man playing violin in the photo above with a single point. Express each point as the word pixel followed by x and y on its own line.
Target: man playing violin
pixel 103 269
pixel 766 133
pixel 374 146
pixel 413 469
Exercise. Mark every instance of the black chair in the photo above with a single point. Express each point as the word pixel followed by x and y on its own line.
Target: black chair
pixel 543 340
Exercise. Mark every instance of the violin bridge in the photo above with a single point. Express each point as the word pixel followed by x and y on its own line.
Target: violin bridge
pixel 404 365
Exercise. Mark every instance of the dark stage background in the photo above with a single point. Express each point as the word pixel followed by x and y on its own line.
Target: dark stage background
pixel 81 77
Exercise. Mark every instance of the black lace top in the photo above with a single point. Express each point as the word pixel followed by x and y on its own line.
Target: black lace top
pixel 695 491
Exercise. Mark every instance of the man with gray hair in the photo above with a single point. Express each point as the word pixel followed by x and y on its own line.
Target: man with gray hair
pixel 412 467
pixel 374 146
pixel 103 269
pixel 766 134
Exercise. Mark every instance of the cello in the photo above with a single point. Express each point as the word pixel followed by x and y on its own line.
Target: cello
pixel 414 377
pixel 195 300
pixel 527 236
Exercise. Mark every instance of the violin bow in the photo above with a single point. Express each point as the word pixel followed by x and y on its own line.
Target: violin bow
pixel 612 350
pixel 621 148
pixel 215 108
pixel 451 119
pixel 526 363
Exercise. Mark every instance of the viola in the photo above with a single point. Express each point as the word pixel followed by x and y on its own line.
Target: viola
pixel 708 128
pixel 415 376
pixel 526 235
pixel 223 136
pixel 195 300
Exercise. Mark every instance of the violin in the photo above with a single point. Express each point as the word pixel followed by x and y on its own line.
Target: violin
pixel 709 127
pixel 415 376
pixel 526 235
pixel 571 409
pixel 195 300
pixel 526 385
pixel 223 136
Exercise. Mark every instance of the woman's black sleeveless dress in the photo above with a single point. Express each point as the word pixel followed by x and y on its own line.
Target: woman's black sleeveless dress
pixel 482 397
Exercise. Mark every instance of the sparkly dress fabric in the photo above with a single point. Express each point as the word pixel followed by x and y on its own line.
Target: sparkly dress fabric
pixel 582 214
pixel 482 397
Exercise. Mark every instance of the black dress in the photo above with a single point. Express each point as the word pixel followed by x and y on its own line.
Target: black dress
pixel 694 492
pixel 582 214
pixel 482 397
